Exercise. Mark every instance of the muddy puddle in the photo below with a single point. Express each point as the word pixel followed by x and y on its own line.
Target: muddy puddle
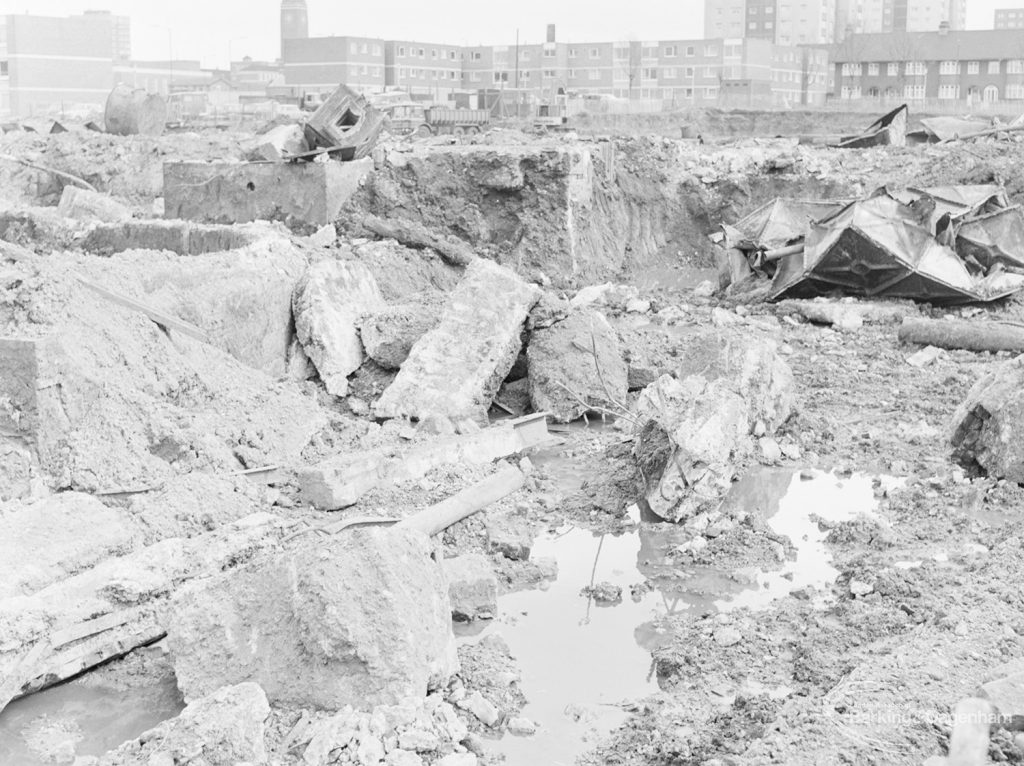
pixel 82 718
pixel 582 661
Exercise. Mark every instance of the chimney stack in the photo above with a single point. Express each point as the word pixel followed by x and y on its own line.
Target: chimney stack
pixel 551 33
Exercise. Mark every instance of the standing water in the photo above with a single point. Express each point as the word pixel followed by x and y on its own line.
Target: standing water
pixel 580 660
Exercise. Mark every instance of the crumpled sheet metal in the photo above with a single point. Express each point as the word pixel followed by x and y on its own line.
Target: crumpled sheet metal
pixel 943 128
pixel 994 238
pixel 888 130
pixel 877 248
pixel 777 223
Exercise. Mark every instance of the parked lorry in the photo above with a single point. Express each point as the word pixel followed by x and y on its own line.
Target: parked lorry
pixel 553 114
pixel 413 117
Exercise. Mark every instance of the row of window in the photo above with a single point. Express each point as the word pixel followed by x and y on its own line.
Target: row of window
pixel 429 74
pixel 1013 66
pixel 365 48
pixel 422 53
pixel 946 92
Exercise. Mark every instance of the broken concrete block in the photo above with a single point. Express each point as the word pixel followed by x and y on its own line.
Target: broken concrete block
pixel 181 237
pixel 242 299
pixel 278 142
pixel 481 708
pixel 228 726
pixel 390 334
pixel 359 618
pixel 328 303
pixel 48 540
pixel 472 587
pixel 576 366
pixel 85 205
pixel 1007 696
pixel 511 536
pixel 456 369
pixel 692 431
pixel 339 482
pixel 231 192
pixel 987 428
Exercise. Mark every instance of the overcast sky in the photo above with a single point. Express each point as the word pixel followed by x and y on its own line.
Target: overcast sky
pixel 209 30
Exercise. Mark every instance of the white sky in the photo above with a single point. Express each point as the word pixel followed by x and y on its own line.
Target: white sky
pixel 209 30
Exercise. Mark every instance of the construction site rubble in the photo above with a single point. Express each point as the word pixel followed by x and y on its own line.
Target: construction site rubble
pixel 596 445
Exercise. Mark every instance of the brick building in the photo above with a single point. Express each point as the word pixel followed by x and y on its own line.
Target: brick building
pixel 48 61
pixel 976 66
pixel 318 64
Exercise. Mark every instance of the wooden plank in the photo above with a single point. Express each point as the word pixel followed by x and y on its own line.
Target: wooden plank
pixel 91 627
pixel 960 334
pixel 165 320
pixel 439 517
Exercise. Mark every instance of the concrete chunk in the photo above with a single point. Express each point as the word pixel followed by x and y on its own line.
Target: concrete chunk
pixel 389 335
pixel 340 481
pixel 360 618
pixel 457 368
pixel 85 205
pixel 230 192
pixel 575 366
pixel 328 303
pixel 226 727
pixel 987 428
pixel 472 587
pixel 692 430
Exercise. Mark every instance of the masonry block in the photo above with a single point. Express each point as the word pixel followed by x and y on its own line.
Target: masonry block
pixel 224 192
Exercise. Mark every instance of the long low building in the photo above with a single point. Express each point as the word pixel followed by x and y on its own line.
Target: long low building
pixel 977 66
pixel 742 72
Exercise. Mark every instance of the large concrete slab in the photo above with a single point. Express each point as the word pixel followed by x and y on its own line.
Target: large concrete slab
pixel 359 618
pixel 339 482
pixel 231 192
pixel 456 369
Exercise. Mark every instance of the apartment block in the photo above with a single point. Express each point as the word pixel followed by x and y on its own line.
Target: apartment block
pixel 424 70
pixel 48 61
pixel 873 16
pixel 974 66
pixel 320 63
pixel 725 18
pixel 1009 18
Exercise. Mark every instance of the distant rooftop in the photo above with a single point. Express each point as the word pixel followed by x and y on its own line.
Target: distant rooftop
pixel 954 45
